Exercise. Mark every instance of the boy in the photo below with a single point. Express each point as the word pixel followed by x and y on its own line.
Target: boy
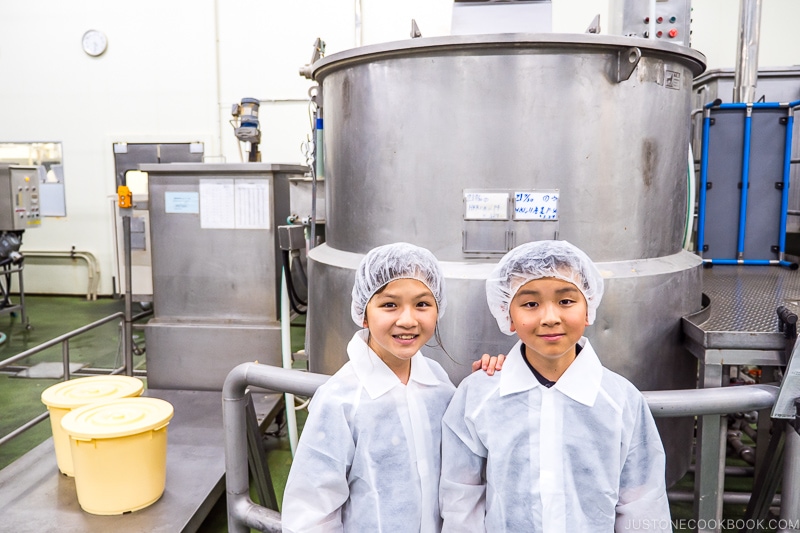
pixel 554 442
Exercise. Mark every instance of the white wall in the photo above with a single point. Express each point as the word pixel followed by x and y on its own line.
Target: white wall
pixel 173 69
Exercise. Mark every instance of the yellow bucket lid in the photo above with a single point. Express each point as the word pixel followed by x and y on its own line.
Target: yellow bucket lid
pixel 117 418
pixel 79 392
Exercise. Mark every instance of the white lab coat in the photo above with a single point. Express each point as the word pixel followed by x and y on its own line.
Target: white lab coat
pixel 369 456
pixel 581 457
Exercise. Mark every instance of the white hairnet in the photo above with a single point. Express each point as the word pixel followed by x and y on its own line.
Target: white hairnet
pixel 395 261
pixel 541 259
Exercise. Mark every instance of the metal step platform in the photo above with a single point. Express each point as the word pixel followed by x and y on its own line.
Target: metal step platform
pixel 738 326
pixel 35 496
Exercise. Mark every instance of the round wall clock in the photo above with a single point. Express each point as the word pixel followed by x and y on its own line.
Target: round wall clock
pixel 94 42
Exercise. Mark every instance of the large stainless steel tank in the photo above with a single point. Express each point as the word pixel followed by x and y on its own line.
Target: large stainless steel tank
pixel 418 131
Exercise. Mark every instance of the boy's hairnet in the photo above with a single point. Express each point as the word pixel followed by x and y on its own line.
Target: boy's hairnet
pixel 395 261
pixel 541 259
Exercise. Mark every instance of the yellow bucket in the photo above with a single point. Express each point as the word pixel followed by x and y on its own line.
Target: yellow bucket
pixel 63 397
pixel 119 449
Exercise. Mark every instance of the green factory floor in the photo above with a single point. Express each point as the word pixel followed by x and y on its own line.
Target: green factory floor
pixel 99 348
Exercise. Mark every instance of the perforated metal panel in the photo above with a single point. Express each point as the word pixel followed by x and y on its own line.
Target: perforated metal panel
pixel 744 298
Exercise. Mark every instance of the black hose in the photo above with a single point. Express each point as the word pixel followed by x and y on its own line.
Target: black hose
pixel 301 270
pixel 294 299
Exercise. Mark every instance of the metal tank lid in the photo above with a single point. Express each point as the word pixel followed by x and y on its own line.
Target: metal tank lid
pixel 694 59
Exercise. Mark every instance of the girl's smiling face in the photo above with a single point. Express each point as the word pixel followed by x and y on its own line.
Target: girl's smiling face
pixel 401 318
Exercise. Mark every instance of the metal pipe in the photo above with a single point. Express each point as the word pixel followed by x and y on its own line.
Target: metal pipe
pixel 732 471
pixel 65 358
pixel 127 331
pixel 790 488
pixel 242 512
pixel 60 338
pixel 746 74
pixel 24 427
pixel 734 498
pixel 744 452
pixel 318 168
pixel 359 30
pixel 140 316
pixel 712 401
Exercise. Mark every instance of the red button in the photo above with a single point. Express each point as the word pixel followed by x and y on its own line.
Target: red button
pixel 673 33
pixel 660 20
pixel 659 33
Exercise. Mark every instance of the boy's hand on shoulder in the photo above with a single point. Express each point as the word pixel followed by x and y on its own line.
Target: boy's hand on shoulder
pixel 489 363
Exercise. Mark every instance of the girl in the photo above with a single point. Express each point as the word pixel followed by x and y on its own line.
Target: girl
pixel 369 455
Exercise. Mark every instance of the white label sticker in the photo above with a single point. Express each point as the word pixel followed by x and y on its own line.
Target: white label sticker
pixel 485 206
pixel 182 202
pixel 536 205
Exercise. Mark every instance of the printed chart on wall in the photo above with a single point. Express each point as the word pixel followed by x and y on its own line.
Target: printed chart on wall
pixel 234 204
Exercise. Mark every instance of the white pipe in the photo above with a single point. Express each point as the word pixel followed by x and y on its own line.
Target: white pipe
pixel 286 353
pixel 91 263
pixel 651 26
pixel 691 179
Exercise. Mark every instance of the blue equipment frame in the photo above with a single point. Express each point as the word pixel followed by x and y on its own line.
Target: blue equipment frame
pixel 745 177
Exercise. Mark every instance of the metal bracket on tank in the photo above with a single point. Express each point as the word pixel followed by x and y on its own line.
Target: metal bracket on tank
pixel 626 62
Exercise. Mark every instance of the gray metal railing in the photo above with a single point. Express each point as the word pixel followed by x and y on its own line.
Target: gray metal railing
pixel 243 513
pixel 64 341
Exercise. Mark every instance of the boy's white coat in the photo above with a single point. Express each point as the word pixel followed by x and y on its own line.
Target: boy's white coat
pixel 584 455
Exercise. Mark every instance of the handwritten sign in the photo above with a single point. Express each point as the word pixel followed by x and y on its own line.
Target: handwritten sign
pixel 536 205
pixel 485 206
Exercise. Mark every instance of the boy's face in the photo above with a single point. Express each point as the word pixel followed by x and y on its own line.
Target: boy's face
pixel 549 315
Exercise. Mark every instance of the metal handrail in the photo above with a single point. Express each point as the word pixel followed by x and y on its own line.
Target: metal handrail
pixel 243 513
pixel 64 341
pixel 60 338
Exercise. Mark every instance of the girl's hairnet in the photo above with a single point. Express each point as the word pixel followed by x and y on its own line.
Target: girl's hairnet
pixel 541 259
pixel 395 261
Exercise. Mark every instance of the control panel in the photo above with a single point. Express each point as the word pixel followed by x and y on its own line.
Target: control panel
pixel 19 197
pixel 670 21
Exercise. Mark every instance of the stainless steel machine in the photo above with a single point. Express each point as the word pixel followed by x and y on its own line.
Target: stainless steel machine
pixel 470 145
pixel 19 197
pixel 20 209
pixel 215 281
